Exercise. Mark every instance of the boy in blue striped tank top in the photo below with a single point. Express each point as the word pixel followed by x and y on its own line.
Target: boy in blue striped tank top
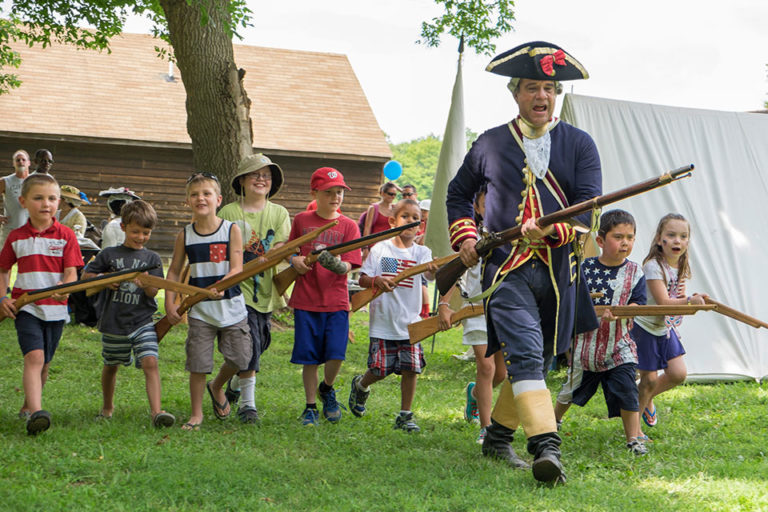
pixel 214 249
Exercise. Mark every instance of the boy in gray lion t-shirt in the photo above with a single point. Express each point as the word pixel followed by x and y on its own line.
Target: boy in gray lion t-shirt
pixel 125 311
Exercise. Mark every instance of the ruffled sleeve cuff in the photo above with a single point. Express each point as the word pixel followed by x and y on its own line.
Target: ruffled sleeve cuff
pixel 462 229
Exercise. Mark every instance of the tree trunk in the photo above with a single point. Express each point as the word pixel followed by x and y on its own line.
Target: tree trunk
pixel 218 109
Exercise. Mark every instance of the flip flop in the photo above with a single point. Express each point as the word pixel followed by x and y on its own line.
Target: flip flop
pixel 650 417
pixel 190 426
pixel 163 419
pixel 217 407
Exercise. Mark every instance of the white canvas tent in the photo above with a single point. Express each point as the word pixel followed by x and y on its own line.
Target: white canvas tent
pixel 726 201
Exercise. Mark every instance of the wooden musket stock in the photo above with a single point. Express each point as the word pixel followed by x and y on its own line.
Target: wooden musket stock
pixel 366 295
pixel 736 314
pixel 423 329
pixel 653 310
pixel 448 274
pixel 250 269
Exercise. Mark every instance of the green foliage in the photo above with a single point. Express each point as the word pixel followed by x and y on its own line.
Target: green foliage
pixel 45 22
pixel 477 22
pixel 708 452
pixel 419 158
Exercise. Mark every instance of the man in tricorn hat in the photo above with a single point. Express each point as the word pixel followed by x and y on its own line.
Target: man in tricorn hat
pixel 531 285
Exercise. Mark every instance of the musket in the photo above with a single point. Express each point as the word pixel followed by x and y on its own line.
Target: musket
pixel 284 279
pixel 423 329
pixel 653 310
pixel 736 314
pixel 366 295
pixel 250 269
pixel 80 285
pixel 165 284
pixel 448 274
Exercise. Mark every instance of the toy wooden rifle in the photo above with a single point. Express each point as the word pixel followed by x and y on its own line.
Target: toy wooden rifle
pixel 165 284
pixel 448 274
pixel 80 285
pixel 654 310
pixel 366 295
pixel 423 329
pixel 284 279
pixel 250 269
pixel 736 314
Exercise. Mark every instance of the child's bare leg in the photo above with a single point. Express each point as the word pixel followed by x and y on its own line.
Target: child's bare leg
pixel 152 383
pixel 646 388
pixel 500 373
pixel 483 390
pixel 331 370
pixel 674 374
pixel 309 378
pixel 226 372
pixel 108 384
pixel 32 380
pixel 196 389
pixel 631 421
pixel 407 389
pixel 369 378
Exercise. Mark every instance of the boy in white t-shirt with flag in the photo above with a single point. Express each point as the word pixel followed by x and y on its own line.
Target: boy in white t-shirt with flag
pixel 390 351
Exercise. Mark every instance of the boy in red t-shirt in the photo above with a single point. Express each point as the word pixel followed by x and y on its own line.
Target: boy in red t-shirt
pixel 320 299
pixel 47 254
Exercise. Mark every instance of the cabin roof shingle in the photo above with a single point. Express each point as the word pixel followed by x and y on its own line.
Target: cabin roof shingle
pixel 306 102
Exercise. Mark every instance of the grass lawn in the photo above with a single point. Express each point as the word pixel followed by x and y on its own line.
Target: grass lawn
pixel 709 449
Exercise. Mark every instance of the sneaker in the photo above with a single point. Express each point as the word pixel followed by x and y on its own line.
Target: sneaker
pixel 637 447
pixel 233 395
pixel 309 417
pixel 481 436
pixel 248 414
pixel 331 407
pixel 405 422
pixel 39 421
pixel 469 355
pixel 357 398
pixel 470 409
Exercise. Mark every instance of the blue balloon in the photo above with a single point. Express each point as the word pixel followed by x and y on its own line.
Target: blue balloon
pixel 393 170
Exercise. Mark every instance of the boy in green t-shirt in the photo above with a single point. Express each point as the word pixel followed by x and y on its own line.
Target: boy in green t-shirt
pixel 265 225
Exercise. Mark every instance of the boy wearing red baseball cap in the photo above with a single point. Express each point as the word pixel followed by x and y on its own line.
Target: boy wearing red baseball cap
pixel 320 299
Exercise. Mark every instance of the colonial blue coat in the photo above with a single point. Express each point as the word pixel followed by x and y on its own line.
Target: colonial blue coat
pixel 497 158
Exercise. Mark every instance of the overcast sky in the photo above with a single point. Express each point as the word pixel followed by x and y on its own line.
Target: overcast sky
pixel 691 53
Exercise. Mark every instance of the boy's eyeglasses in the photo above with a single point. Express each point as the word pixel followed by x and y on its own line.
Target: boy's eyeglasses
pixel 265 176
pixel 204 175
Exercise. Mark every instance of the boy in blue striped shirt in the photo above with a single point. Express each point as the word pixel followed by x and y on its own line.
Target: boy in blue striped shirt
pixel 214 249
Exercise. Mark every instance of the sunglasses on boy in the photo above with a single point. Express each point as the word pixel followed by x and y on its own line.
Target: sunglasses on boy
pixel 204 175
pixel 407 194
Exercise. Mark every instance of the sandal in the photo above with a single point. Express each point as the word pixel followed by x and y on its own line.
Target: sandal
pixel 650 417
pixel 218 408
pixel 190 426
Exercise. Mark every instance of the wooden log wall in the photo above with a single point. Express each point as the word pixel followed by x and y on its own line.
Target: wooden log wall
pixel 159 174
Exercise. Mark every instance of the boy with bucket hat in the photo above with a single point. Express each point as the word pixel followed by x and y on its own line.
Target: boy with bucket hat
pixel 265 225
pixel 530 288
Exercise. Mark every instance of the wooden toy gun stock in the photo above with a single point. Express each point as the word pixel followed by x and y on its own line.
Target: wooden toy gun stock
pixel 736 314
pixel 284 279
pixel 250 269
pixel 423 329
pixel 165 284
pixel 448 274
pixel 366 295
pixel 654 310
pixel 80 285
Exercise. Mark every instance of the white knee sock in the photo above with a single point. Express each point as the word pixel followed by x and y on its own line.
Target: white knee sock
pixel 247 388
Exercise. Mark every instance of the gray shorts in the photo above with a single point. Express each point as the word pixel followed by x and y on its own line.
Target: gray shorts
pixel 234 344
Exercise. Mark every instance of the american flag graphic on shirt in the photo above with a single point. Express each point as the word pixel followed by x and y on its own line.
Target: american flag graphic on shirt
pixel 390 267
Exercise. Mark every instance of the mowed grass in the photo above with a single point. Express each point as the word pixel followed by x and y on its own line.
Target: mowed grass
pixel 709 449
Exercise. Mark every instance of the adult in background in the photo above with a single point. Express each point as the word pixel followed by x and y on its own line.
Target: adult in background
pixel 409 192
pixel 43 161
pixel 532 303
pixel 112 234
pixel 14 216
pixel 376 218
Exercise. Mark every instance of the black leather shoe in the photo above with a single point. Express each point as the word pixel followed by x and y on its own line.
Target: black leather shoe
pixel 498 444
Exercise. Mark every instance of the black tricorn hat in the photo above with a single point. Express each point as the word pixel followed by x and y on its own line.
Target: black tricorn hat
pixel 538 60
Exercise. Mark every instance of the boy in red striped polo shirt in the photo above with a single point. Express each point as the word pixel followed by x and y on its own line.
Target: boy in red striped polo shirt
pixel 47 254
